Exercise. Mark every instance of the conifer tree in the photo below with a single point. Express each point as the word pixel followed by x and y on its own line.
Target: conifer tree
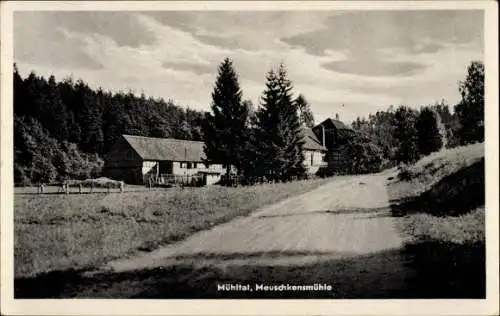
pixel 278 131
pixel 294 154
pixel 224 131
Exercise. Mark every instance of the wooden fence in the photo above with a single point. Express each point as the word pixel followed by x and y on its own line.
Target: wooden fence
pixel 91 184
pixel 235 180
pixel 175 180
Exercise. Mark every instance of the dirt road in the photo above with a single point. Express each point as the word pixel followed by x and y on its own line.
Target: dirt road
pixel 344 218
pixel 339 235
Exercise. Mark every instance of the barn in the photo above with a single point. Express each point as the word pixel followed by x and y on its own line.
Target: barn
pixel 334 135
pixel 136 159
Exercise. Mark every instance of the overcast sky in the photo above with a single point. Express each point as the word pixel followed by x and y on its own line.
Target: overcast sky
pixel 366 60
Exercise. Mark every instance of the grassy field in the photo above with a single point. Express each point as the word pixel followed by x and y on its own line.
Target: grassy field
pixel 79 231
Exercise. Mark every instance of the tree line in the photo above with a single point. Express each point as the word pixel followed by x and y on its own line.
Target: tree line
pixel 63 129
pixel 263 142
pixel 404 134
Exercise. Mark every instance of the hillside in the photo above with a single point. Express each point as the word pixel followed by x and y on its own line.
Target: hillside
pixel 441 200
pixel 416 179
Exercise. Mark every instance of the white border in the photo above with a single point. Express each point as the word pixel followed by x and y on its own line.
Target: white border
pixel 250 307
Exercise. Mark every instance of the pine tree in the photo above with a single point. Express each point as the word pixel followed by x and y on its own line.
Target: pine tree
pixel 428 136
pixel 294 154
pixel 55 116
pixel 19 93
pixel 279 133
pixel 224 131
pixel 89 117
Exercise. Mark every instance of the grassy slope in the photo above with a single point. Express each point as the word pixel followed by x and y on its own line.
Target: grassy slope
pixel 59 232
pixel 424 177
pixel 447 252
pixel 429 170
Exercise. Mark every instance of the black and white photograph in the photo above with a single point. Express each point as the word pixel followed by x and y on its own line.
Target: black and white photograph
pixel 322 153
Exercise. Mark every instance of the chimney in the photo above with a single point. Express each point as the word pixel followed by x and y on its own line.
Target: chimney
pixel 323 132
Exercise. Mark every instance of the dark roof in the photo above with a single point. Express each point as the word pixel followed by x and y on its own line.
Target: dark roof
pixel 161 149
pixel 338 124
pixel 312 142
pixel 170 149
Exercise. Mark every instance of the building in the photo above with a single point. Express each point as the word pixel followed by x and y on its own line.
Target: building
pixel 136 159
pixel 314 152
pixel 334 135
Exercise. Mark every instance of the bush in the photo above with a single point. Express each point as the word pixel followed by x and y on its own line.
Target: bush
pixel 429 137
pixel 363 156
pixel 404 173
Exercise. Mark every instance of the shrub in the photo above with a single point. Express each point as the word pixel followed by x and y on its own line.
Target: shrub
pixel 363 156
pixel 429 137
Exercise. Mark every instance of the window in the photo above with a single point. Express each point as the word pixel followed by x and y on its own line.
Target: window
pixel 195 165
pixel 189 165
pixel 312 159
pixel 182 165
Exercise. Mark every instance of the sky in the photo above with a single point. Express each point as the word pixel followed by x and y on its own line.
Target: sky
pixel 348 62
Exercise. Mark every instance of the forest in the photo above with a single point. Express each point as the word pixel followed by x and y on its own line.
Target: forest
pixel 63 129
pixel 405 134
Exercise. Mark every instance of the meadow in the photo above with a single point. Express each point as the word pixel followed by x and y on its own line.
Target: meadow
pixel 57 232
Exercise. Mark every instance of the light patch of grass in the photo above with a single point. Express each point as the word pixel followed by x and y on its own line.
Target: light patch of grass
pixel 415 179
pixel 59 232
pixel 467 229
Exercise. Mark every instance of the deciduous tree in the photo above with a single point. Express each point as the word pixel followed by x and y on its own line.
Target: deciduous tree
pixel 429 138
pixel 470 110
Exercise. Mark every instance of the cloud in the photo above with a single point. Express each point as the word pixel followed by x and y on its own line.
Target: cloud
pixel 364 60
pixel 370 67
pixel 39 42
pixel 121 26
pixel 374 42
pixel 224 29
pixel 373 30
pixel 199 69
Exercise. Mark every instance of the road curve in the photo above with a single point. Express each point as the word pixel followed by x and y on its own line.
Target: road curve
pixel 340 234
pixel 344 218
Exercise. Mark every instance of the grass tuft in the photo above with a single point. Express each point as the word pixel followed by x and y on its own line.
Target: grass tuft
pixel 467 229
